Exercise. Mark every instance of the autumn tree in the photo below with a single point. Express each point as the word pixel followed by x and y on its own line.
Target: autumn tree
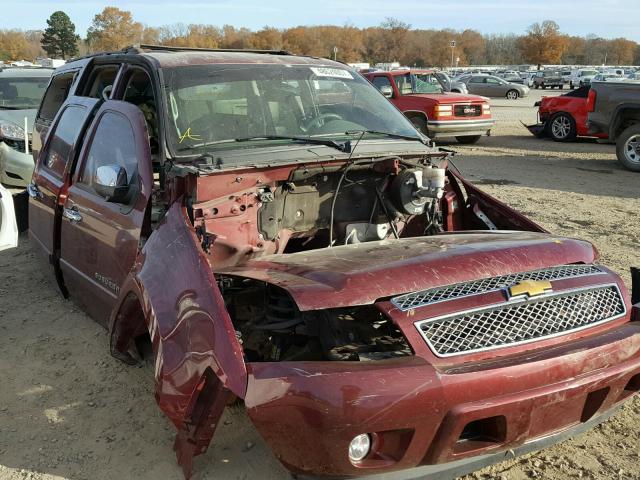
pixel 59 38
pixel 621 51
pixel 13 45
pixel 394 35
pixel 543 43
pixel 113 29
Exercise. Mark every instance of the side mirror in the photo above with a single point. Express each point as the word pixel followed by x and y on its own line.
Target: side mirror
pixel 387 91
pixel 111 182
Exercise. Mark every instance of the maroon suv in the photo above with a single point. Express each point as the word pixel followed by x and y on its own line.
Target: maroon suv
pixel 285 237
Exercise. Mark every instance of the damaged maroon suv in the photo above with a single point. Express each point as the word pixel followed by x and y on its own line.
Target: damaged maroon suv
pixel 285 238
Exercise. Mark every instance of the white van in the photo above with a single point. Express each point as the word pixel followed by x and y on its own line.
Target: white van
pixel 580 78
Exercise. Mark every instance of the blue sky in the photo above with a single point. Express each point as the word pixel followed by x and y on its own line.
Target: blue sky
pixel 606 18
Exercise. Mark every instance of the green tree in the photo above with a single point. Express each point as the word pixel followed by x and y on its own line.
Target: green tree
pixel 59 38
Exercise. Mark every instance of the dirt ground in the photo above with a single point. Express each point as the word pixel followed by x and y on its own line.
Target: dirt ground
pixel 70 411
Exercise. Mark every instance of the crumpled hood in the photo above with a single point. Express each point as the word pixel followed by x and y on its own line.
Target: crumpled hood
pixel 362 273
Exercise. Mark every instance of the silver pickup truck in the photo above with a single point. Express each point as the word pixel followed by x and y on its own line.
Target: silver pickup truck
pixel 614 109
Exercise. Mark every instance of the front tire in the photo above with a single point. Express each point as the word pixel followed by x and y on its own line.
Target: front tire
pixel 571 87
pixel 512 95
pixel 468 139
pixel 562 127
pixel 628 148
pixel 543 86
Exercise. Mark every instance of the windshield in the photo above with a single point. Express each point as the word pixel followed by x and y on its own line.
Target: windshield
pixel 411 83
pixel 588 72
pixel 209 106
pixel 22 92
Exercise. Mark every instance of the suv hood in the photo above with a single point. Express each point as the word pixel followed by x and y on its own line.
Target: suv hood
pixel 360 274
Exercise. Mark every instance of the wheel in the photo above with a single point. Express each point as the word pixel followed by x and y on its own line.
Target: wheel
pixel 468 139
pixel 536 86
pixel 628 147
pixel 512 95
pixel 421 124
pixel 561 87
pixel 571 85
pixel 455 90
pixel 543 86
pixel 562 127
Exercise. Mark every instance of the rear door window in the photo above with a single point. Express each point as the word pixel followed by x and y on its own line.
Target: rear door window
pixel 63 140
pixel 100 82
pixel 55 95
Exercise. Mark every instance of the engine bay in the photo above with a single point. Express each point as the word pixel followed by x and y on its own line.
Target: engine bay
pixel 270 327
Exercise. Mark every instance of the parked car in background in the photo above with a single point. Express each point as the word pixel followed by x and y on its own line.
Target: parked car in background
pixel 295 246
pixel 450 84
pixel 512 78
pixel 492 86
pixel 422 96
pixel 581 78
pixel 614 110
pixel 548 78
pixel 608 77
pixel 21 90
pixel 563 117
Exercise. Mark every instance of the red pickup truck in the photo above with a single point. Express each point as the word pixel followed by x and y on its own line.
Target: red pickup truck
pixel 421 96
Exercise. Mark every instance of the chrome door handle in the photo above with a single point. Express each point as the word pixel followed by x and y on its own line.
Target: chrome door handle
pixel 72 214
pixel 34 191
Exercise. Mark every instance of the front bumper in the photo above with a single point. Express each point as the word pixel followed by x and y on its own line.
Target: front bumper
pixel 16 167
pixel 430 422
pixel 450 128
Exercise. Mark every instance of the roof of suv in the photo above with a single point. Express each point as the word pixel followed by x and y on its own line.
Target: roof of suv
pixel 165 56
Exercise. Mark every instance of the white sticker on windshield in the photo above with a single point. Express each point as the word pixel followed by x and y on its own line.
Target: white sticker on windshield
pixel 331 72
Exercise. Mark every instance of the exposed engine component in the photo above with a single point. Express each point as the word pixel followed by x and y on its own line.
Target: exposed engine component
pixel 373 202
pixel 412 188
pixel 271 328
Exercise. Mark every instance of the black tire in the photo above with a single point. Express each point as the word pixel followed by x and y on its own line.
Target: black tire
pixel 561 127
pixel 468 139
pixel 561 87
pixel 455 91
pixel 512 94
pixel 543 86
pixel 628 148
pixel 421 124
pixel 571 87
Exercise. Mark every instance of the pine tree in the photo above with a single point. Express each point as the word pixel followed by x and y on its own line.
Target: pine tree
pixel 59 38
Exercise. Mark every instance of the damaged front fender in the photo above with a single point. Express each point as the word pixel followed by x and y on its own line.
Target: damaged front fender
pixel 198 360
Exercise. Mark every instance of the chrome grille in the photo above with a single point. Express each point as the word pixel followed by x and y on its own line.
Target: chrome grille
pixel 467 110
pixel 523 321
pixel 449 292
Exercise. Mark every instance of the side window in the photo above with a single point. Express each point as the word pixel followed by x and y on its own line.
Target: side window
pixel 381 81
pixel 63 139
pixel 113 143
pixel 403 82
pixel 139 91
pixel 100 82
pixel 476 80
pixel 492 81
pixel 55 95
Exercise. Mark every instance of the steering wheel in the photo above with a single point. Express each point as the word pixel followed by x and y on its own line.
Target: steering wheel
pixel 321 120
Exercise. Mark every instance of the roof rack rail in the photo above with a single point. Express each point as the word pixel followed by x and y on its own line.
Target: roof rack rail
pixel 138 48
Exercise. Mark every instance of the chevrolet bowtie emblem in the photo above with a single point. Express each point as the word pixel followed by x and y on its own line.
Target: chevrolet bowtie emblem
pixel 530 288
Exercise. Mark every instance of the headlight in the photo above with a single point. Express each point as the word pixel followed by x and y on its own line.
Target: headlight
pixel 359 447
pixel 11 131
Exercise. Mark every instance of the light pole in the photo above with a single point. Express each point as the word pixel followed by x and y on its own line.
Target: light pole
pixel 335 53
pixel 453 46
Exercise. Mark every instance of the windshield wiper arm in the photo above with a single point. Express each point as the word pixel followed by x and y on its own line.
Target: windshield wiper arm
pixel 342 146
pixel 390 135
